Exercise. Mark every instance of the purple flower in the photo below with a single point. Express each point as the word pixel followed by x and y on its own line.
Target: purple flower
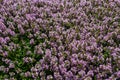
pixel 48 53
pixel 30 17
pixel 81 73
pixel 2 40
pixel 88 78
pixel 49 77
pixel 118 74
pixel 20 28
pixel 73 61
pixel 32 41
pixel 118 1
pixel 57 76
pixel 70 74
pixel 74 70
pixel 118 36
pixel 11 65
pixel 2 26
pixel 35 75
pixel 27 74
pixel 7 39
pixel 90 73
pixel 5 53
pixel 39 51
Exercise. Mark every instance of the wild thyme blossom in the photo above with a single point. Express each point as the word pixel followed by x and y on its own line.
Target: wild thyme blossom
pixel 60 39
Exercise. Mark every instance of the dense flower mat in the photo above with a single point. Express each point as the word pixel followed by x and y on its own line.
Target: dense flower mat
pixel 59 39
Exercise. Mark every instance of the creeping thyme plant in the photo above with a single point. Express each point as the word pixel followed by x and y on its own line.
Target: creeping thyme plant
pixel 59 39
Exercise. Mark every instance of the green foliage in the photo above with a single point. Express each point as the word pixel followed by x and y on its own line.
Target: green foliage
pixel 106 53
pixel 95 78
pixel 19 53
pixel 67 25
pixel 49 72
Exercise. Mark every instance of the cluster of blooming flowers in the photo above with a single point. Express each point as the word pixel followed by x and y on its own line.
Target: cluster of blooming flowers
pixel 60 39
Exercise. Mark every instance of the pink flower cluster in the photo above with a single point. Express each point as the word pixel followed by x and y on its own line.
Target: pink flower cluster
pixel 60 39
